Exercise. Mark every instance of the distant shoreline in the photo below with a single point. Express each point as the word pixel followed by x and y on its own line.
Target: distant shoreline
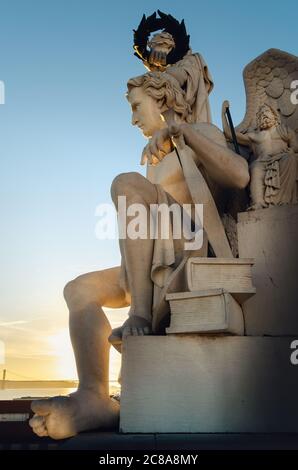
pixel 19 384
pixel 15 384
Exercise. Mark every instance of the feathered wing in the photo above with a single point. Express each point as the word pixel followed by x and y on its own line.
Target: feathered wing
pixel 268 79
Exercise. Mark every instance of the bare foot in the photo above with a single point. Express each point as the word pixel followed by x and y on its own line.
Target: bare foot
pixel 134 326
pixel 65 416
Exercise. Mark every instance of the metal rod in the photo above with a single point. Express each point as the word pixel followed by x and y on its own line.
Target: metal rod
pixel 233 131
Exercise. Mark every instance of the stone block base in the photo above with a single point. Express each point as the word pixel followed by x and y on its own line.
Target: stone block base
pixel 196 384
pixel 270 237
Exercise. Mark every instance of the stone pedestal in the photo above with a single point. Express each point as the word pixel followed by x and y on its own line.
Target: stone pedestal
pixel 270 236
pixel 196 384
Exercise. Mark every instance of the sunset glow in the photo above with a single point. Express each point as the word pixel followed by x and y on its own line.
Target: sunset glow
pixel 60 348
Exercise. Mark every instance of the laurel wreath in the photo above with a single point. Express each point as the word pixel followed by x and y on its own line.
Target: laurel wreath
pixel 168 24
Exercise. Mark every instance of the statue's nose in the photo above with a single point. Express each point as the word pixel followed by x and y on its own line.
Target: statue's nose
pixel 134 119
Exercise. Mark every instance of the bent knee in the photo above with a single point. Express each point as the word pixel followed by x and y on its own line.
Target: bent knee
pixel 79 292
pixel 124 184
pixel 70 290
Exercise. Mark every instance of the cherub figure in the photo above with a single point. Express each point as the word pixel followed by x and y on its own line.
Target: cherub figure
pixel 274 171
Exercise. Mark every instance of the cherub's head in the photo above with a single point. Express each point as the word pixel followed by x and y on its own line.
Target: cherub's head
pixel 152 94
pixel 267 117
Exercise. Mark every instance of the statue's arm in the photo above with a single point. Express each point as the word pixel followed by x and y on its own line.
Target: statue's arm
pixel 222 164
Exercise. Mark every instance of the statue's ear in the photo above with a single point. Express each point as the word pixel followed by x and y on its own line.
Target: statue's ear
pixel 163 107
pixel 169 116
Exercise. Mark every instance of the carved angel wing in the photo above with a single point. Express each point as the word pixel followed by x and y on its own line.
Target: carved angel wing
pixel 268 79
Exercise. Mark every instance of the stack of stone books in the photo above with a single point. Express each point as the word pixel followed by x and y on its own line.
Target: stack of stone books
pixel 217 287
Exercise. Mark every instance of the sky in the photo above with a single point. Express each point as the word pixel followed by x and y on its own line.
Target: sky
pixel 65 133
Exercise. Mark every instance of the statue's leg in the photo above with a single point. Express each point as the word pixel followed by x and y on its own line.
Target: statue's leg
pixel 137 255
pixel 257 185
pixel 90 406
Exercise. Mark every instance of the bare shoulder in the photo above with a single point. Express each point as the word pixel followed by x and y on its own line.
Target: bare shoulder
pixel 211 131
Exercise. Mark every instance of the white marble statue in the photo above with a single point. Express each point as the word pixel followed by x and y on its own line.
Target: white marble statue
pixel 149 267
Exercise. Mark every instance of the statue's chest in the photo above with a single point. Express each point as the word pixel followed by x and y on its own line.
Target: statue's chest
pixel 269 143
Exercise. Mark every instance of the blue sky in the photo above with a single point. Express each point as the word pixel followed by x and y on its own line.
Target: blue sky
pixel 65 133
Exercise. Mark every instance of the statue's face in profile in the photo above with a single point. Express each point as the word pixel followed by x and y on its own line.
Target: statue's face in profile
pixel 146 113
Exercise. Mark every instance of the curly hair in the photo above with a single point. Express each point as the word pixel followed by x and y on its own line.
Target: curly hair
pixel 272 110
pixel 165 89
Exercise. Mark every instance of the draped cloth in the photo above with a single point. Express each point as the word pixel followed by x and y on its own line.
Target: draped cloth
pixel 198 85
pixel 168 263
pixel 281 179
pixel 168 272
pixel 281 173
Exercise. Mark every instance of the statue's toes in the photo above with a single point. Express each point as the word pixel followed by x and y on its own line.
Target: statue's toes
pixel 38 425
pixel 41 431
pixel 128 331
pixel 36 421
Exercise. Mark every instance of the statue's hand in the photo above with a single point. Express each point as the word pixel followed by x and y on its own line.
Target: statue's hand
pixel 158 146
pixel 225 106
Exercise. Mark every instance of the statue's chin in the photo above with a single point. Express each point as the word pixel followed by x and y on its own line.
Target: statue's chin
pixel 146 134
